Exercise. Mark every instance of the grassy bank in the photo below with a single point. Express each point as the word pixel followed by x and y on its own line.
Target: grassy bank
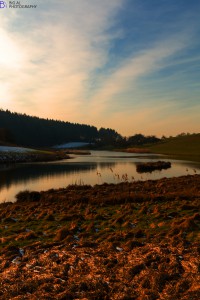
pixel 183 147
pixel 135 240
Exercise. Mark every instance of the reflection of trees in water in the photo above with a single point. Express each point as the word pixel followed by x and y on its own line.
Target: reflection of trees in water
pixel 26 172
pixel 106 165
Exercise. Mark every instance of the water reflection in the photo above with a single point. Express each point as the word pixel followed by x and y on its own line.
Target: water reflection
pixel 29 172
pixel 97 168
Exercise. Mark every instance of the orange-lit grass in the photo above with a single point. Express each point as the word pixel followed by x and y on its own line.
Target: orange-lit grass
pixel 132 234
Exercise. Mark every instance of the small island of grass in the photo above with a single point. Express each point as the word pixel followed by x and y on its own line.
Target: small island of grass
pixel 152 166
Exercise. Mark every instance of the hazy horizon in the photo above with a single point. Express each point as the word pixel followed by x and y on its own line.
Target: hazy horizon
pixel 129 65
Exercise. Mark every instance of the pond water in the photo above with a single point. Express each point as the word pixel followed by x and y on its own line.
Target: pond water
pixel 97 168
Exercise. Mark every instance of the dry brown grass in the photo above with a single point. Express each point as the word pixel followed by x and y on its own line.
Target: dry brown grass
pixel 128 241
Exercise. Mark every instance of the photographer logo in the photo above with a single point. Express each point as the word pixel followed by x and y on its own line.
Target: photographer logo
pixel 16 4
pixel 3 4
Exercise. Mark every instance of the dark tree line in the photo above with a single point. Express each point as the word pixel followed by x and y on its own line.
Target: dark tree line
pixel 25 130
pixel 109 137
pixel 37 132
pixel 6 136
pixel 34 131
pixel 140 139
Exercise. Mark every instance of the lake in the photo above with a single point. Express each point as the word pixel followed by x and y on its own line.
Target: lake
pixel 97 168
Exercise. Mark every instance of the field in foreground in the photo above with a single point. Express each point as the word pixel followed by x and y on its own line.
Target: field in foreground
pixel 128 241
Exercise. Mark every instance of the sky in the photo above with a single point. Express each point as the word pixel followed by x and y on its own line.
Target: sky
pixel 129 65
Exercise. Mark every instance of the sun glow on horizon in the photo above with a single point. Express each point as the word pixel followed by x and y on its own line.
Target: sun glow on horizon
pixel 10 53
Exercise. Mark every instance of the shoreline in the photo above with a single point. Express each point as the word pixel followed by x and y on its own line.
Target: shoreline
pixel 32 156
pixel 137 240
pixel 46 155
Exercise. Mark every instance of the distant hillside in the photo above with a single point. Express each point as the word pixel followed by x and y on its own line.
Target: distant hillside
pixel 186 147
pixel 36 132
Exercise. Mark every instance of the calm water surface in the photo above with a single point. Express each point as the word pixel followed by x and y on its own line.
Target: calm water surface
pixel 97 168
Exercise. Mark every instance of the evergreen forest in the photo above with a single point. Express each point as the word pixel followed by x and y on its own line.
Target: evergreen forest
pixel 31 131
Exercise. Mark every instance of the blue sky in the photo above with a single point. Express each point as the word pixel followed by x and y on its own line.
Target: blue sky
pixel 126 64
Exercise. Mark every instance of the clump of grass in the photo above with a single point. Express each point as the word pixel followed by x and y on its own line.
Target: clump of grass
pixel 50 217
pixel 61 234
pixel 28 196
pixel 26 236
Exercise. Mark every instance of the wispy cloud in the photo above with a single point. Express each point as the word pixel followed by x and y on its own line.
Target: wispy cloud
pixel 55 55
pixel 126 77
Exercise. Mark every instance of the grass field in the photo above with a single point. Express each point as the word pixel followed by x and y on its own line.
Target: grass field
pixel 136 240
pixel 183 147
